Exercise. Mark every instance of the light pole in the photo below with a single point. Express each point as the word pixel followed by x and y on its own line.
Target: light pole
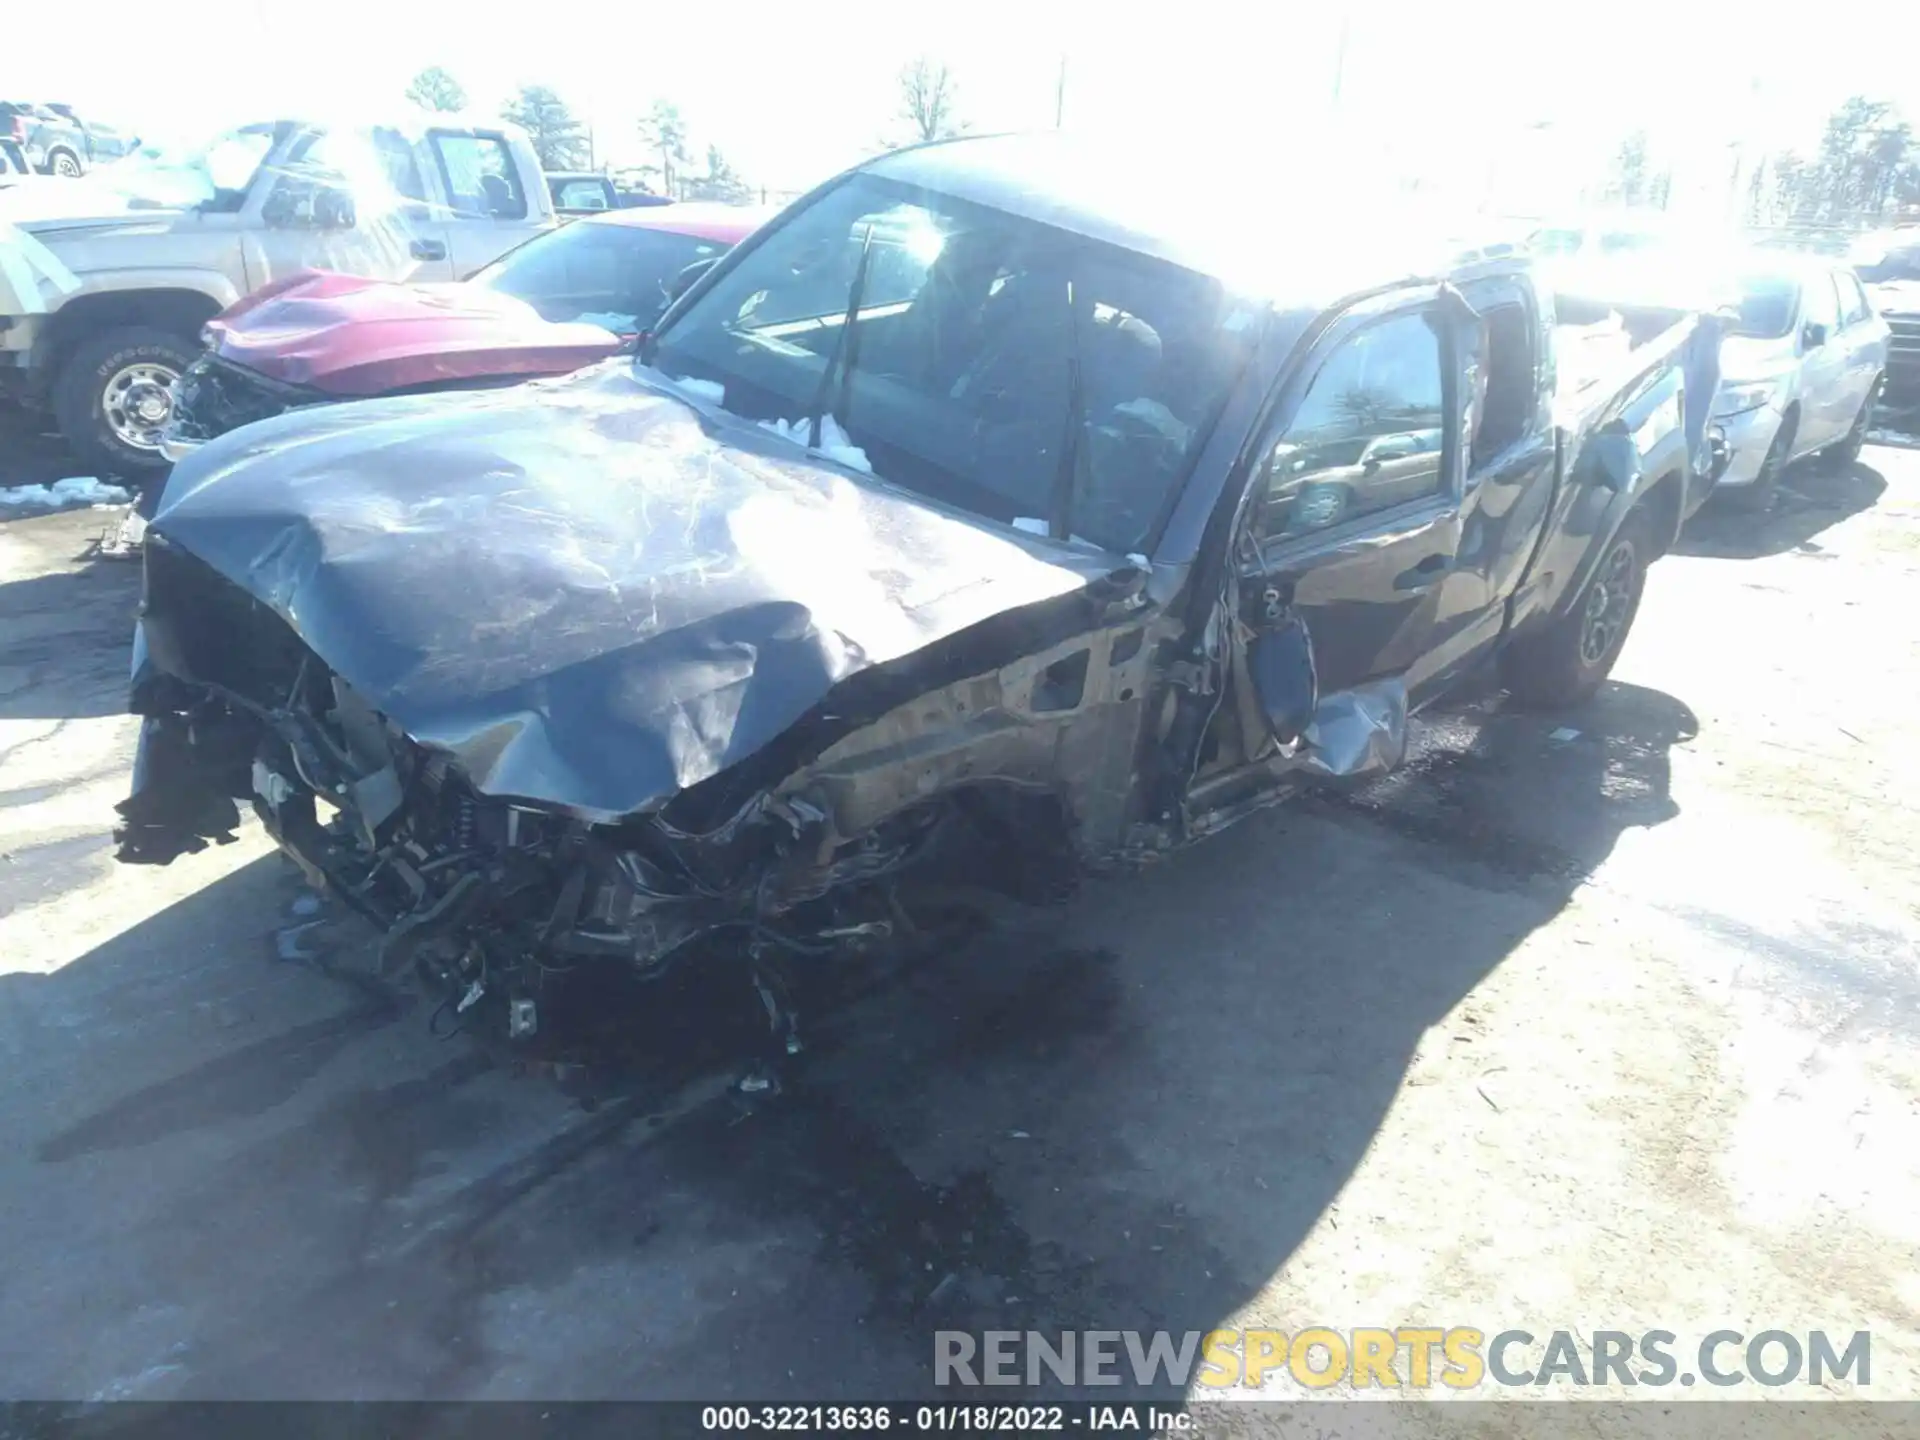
pixel 1340 52
pixel 1060 93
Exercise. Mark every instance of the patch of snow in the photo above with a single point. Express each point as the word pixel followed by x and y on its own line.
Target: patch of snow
pixel 74 490
pixel 1892 437
pixel 704 390
pixel 835 443
pixel 1040 527
pixel 619 325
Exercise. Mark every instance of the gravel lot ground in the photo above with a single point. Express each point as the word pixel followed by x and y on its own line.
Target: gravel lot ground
pixel 1615 1030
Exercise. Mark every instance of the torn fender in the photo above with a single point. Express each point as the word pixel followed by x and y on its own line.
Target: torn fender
pixel 583 592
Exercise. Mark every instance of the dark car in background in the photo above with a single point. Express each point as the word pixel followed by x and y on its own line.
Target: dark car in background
pixel 50 139
pixel 588 192
pixel 562 300
pixel 1889 262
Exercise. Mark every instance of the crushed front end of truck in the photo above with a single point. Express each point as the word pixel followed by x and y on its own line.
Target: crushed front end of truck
pixel 627 715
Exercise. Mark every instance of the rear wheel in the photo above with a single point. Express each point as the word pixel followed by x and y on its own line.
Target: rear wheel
pixel 65 163
pixel 114 394
pixel 1847 451
pixel 1565 663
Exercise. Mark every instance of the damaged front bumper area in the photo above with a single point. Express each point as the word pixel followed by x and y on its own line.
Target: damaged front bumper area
pixel 213 396
pixel 484 902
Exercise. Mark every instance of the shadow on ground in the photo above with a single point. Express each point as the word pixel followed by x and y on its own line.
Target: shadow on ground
pixel 1128 1119
pixel 66 633
pixel 1812 497
pixel 30 454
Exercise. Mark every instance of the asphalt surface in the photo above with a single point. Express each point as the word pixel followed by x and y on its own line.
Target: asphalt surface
pixel 1604 1019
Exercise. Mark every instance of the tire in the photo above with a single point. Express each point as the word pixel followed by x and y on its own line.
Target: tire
pixel 1847 451
pixel 1757 498
pixel 105 403
pixel 1567 662
pixel 62 161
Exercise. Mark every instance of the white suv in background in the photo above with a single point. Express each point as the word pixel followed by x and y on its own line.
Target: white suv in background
pixel 1799 372
pixel 106 281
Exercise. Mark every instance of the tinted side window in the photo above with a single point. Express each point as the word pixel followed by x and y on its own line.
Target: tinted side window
pixel 1369 434
pixel 1819 305
pixel 402 168
pixel 481 180
pixel 1853 300
pixel 580 195
pixel 1504 382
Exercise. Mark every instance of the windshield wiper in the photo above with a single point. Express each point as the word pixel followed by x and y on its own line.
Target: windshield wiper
pixel 846 353
pixel 1073 463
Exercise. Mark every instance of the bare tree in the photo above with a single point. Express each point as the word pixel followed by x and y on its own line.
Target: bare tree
pixel 721 182
pixel 666 134
pixel 434 89
pixel 929 100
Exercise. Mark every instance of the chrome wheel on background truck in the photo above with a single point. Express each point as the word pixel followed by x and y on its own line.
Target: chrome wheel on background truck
pixel 113 397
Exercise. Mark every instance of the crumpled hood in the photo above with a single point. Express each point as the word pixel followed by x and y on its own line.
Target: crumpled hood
pixel 347 336
pixel 584 591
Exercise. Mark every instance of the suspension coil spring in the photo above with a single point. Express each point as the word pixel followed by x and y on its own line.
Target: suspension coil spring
pixel 464 822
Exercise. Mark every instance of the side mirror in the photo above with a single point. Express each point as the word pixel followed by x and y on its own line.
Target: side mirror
pixel 281 210
pixel 295 205
pixel 1280 663
pixel 333 209
pixel 683 282
pixel 1615 455
pixel 1813 336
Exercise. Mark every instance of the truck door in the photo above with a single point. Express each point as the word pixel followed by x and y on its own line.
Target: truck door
pixel 1356 513
pixel 1509 458
pixel 490 210
pixel 349 201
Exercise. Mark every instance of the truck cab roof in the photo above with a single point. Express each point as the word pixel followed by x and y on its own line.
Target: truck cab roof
pixel 1328 229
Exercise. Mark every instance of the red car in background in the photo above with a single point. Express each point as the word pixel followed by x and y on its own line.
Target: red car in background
pixel 565 299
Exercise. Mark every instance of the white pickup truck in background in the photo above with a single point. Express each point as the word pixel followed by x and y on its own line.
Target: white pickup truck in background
pixel 105 282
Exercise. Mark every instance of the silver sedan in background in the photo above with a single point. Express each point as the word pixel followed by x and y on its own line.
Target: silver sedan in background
pixel 1799 371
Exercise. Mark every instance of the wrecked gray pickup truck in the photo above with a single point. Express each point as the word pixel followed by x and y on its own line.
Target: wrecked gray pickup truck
pixel 963 505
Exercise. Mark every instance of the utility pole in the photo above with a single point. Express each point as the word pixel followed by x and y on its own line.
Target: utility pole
pixel 1340 52
pixel 1060 94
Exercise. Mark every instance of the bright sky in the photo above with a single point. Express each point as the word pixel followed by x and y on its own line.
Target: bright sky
pixel 794 92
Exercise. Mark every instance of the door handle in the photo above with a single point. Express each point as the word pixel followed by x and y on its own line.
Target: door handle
pixel 1428 573
pixel 427 250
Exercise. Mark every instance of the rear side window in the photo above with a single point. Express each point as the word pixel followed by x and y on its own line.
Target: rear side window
pixel 1504 379
pixel 580 195
pixel 1369 435
pixel 480 176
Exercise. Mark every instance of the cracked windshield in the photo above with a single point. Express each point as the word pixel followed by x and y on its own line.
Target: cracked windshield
pixel 879 719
